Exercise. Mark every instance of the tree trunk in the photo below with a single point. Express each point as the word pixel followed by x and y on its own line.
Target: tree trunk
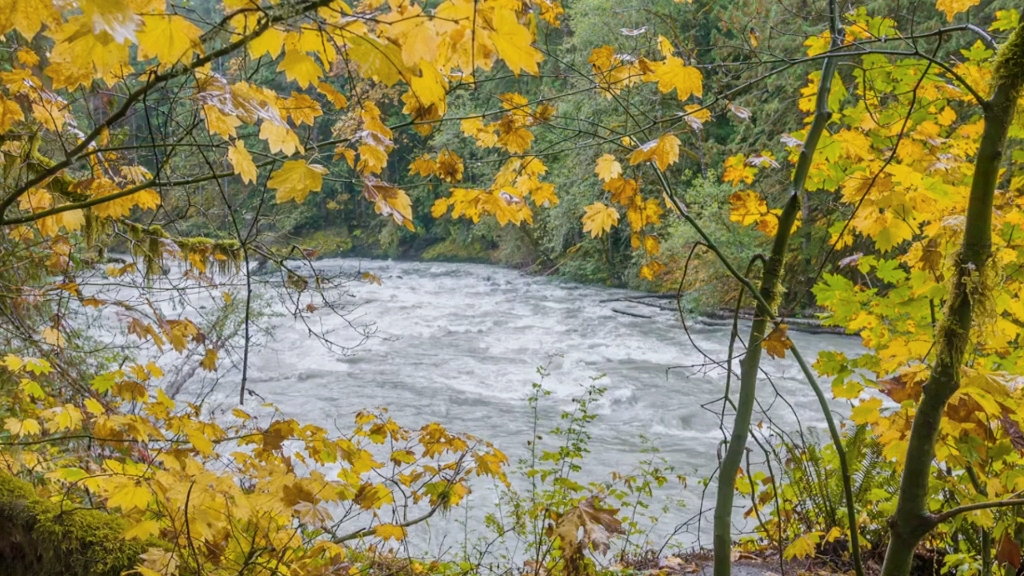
pixel 769 292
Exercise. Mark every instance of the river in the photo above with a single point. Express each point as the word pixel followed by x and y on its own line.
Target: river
pixel 460 344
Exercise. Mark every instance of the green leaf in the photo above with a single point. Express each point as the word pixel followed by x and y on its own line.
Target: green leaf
pixel 103 382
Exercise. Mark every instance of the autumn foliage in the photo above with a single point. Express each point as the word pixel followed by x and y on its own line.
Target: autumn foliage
pixel 121 118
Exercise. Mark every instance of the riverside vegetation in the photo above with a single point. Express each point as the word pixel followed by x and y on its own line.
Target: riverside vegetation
pixel 861 159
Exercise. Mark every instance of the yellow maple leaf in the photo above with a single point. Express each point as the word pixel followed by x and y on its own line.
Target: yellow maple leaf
pixel 867 412
pixel 295 179
pixel 449 166
pixel 663 152
pixel 372 159
pixel 651 245
pixel 737 170
pixel 803 546
pixel 423 165
pixel 819 44
pixel 608 168
pixel 544 195
pixel 373 496
pixel 954 7
pixel 66 417
pixel 389 201
pixel 94 407
pixel 142 530
pixel 12 362
pixel 53 337
pixel 650 270
pixel 599 219
pixel 269 42
pixel 335 97
pixel 169 38
pixel 10 113
pixel 777 342
pixel 25 16
pixel 209 361
pixel 674 74
pixel 513 41
pixel 280 138
pixel 439 208
pixel 516 141
pixel 130 494
pixel 380 61
pixel 302 109
pixel 389 532
pixel 22 428
pixel 622 189
pixel 241 161
pixel 219 123
pixel 300 67
pixel 115 17
pixel 746 208
pixel 427 92
pixel 347 153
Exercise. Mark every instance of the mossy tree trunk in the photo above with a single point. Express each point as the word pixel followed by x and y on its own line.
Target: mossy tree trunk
pixel 38 538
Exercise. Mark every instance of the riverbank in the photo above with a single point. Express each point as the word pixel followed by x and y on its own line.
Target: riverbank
pixel 477 252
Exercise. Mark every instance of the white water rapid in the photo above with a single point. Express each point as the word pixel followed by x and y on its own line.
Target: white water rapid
pixel 460 344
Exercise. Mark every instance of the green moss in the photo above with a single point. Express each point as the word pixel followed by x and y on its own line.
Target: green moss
pixel 1009 68
pixel 38 538
pixel 451 250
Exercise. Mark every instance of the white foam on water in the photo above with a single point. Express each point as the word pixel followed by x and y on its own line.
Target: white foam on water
pixel 461 343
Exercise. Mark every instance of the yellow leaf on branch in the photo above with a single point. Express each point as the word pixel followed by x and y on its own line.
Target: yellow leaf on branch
pixel 295 179
pixel 389 532
pixel 513 42
pixel 169 38
pixel 673 74
pixel 389 201
pixel 241 161
pixel 777 342
pixel 953 7
pixel 300 68
pixel 599 219
pixel 608 168
pixel 664 152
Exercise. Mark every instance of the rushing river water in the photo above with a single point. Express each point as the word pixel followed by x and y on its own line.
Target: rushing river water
pixel 460 344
